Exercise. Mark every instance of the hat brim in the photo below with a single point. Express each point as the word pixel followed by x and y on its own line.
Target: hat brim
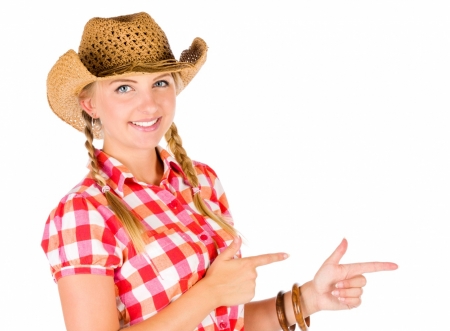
pixel 69 76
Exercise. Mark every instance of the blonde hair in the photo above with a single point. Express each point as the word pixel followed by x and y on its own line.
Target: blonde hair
pixel 130 222
pixel 176 146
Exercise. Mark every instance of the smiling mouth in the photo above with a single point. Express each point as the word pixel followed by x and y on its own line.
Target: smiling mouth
pixel 146 124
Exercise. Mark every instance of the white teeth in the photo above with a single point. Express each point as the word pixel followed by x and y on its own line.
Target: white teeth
pixel 145 124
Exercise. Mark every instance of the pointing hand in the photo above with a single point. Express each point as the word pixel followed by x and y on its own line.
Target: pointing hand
pixel 233 281
pixel 339 286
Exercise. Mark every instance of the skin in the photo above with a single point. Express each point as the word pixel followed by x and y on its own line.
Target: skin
pixel 228 281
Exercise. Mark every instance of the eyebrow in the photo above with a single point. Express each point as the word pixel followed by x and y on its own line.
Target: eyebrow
pixel 163 75
pixel 124 80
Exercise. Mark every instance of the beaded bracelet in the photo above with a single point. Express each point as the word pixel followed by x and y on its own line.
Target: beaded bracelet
pixel 281 314
pixel 303 323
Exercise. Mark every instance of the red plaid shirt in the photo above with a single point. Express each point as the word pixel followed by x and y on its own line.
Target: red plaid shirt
pixel 83 236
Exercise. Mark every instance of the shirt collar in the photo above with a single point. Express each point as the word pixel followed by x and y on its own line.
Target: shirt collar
pixel 116 173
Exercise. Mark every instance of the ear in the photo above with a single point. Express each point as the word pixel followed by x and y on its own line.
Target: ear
pixel 88 106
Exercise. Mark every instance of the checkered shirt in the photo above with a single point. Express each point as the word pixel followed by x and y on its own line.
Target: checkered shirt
pixel 83 236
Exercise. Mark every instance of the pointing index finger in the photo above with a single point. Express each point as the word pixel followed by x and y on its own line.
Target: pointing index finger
pixel 355 269
pixel 264 259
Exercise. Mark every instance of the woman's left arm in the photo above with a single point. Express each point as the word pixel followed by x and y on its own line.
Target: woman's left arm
pixel 334 287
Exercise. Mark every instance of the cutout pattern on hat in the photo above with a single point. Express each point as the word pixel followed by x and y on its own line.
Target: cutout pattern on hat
pixel 112 42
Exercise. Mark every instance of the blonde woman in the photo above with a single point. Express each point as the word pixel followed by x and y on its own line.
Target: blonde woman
pixel 146 240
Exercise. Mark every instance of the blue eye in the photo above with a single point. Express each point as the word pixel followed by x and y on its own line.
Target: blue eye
pixel 161 83
pixel 123 89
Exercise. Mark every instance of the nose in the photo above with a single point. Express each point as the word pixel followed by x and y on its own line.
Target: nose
pixel 148 103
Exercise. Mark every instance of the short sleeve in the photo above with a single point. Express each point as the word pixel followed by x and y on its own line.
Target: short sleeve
pixel 77 240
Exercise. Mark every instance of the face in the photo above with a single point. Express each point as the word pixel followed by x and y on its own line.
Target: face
pixel 135 111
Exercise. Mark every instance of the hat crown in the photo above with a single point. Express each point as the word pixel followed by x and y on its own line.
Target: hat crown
pixel 108 43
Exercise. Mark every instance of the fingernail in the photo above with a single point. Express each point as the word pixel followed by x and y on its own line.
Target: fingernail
pixel 339 285
pixel 335 293
pixel 341 299
pixel 285 255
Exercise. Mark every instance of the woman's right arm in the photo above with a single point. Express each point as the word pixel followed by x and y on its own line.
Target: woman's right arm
pixel 88 301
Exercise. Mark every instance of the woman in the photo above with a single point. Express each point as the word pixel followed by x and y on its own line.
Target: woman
pixel 146 240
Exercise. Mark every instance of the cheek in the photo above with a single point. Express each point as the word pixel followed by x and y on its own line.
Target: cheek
pixel 169 105
pixel 169 115
pixel 112 116
pixel 172 107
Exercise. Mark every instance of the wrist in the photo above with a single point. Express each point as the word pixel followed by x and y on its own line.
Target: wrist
pixel 206 294
pixel 309 302
pixel 289 310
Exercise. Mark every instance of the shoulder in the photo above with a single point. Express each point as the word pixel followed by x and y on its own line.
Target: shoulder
pixel 86 190
pixel 83 204
pixel 211 186
pixel 207 176
pixel 204 169
pixel 87 187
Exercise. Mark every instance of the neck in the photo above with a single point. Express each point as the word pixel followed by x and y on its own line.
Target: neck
pixel 145 165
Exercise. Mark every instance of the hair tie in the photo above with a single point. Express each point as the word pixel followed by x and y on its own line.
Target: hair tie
pixel 195 190
pixel 105 189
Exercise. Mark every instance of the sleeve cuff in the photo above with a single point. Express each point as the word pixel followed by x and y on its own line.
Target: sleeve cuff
pixel 83 269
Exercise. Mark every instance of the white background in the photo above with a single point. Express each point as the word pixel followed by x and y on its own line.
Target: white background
pixel 323 119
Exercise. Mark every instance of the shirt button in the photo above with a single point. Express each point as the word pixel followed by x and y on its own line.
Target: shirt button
pixel 222 325
pixel 172 205
pixel 204 237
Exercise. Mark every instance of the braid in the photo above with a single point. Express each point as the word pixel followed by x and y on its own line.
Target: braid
pixel 132 225
pixel 175 144
pixel 91 152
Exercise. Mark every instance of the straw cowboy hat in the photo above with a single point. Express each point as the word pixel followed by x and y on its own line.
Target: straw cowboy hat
pixel 117 46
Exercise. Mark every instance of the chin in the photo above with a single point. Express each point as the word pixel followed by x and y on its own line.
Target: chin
pixel 146 145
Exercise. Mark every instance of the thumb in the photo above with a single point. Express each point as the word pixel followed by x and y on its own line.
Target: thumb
pixel 231 250
pixel 338 253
